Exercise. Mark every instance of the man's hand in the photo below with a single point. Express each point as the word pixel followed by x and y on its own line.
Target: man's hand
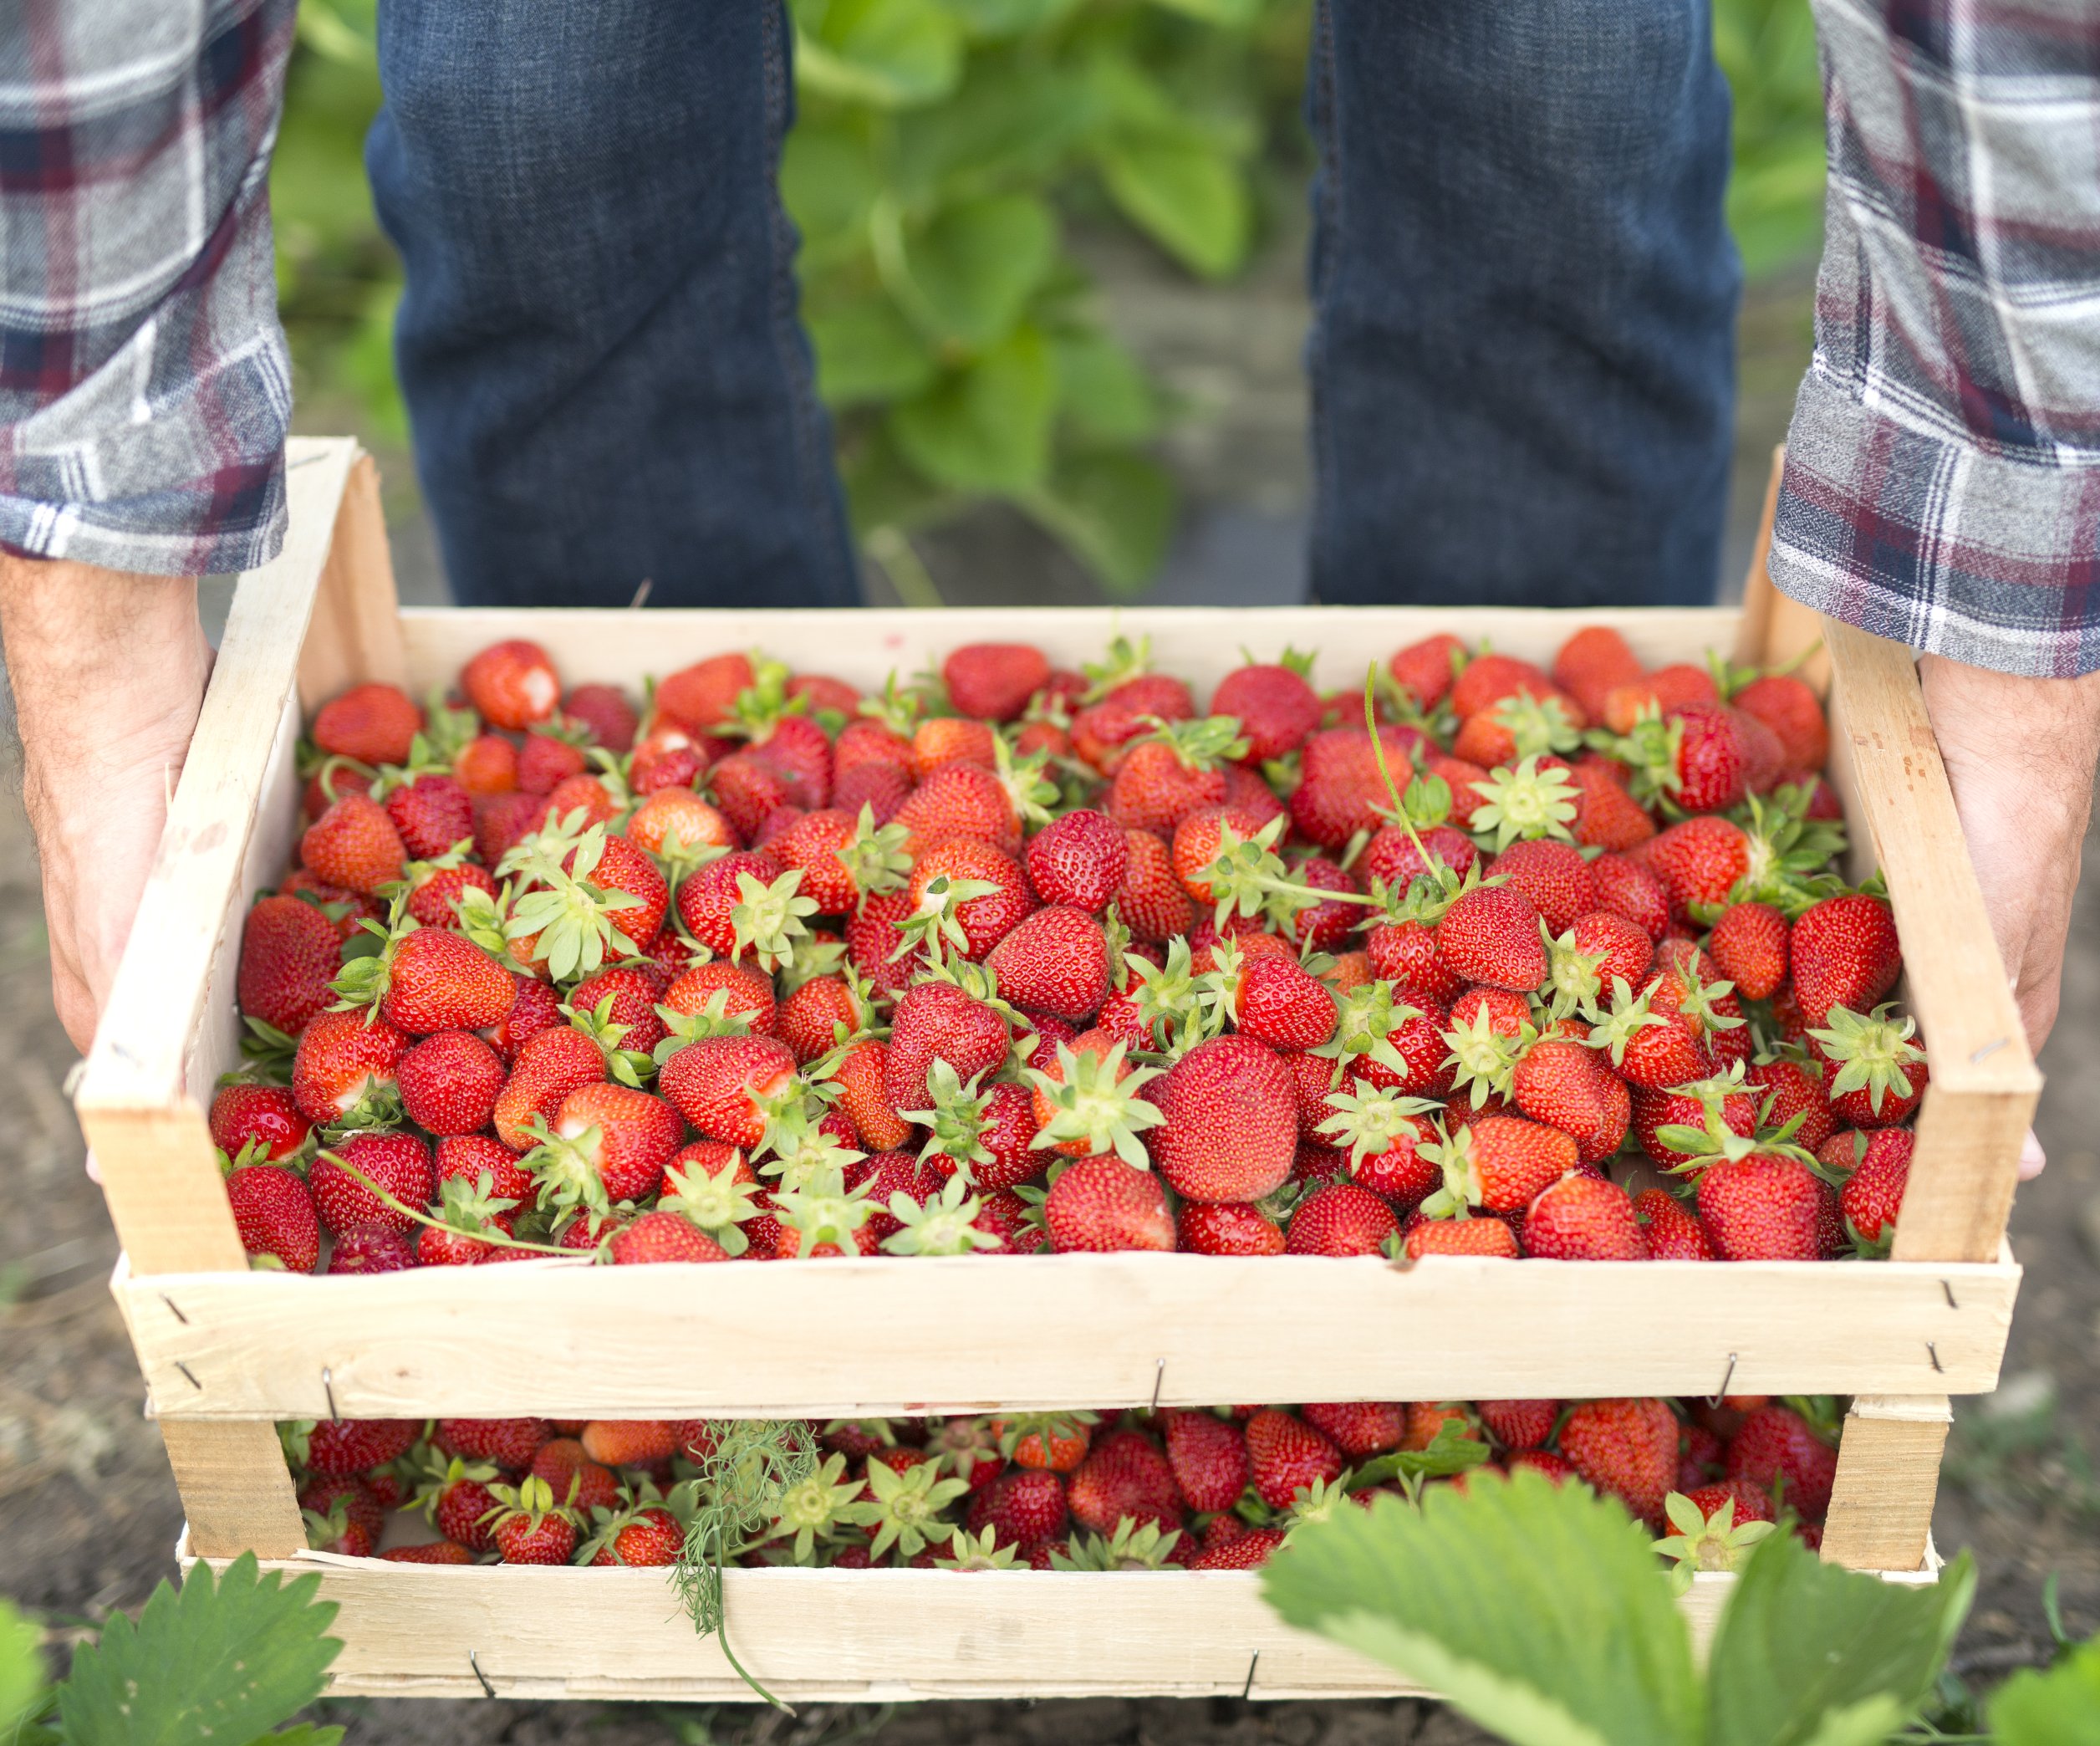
pixel 2020 754
pixel 108 673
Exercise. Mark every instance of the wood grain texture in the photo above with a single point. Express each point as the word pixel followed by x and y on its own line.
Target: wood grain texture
pixel 1984 1081
pixel 235 1488
pixel 1198 644
pixel 1053 1332
pixel 867 1636
pixel 1887 1477
pixel 357 617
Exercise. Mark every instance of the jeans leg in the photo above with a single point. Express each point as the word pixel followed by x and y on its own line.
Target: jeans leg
pixel 1523 350
pixel 598 342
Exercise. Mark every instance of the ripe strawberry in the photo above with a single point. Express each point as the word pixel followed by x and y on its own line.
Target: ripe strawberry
pixel 1287 1456
pixel 574 1477
pixel 263 1116
pixel 1424 669
pixel 1056 961
pixel 1489 1237
pixel 1844 953
pixel 514 684
pixel 1566 1084
pixel 502 821
pixel 1149 899
pixel 467 1157
pixel 370 1249
pixel 432 814
pixel 736 991
pixel 486 764
pixel 1627 1449
pixel 1607 816
pixel 353 844
pixel 945 740
pixel 720 1084
pixel 1406 954
pixel 1627 888
pixel 274 1213
pixel 608 1134
pixel 1711 765
pixel 629 1443
pixel 537 1008
pixel 1501 1163
pixel 1748 945
pixel 1762 1207
pixel 1230 1129
pixel 335 1447
pixel 705 901
pixel 1228 1227
pixel 1672 1233
pixel 1697 861
pixel 1208 1458
pixel 437 979
pixel 1101 1203
pixel 1340 791
pixel 1078 859
pixel 550 1064
pixel 1875 1073
pixel 343 1057
pixel 1247 1551
pixel 1124 1477
pixel 659 1237
pixel 1787 1088
pixel 449 1083
pixel 1393 860
pixel 1591 663
pixel 860 1075
pixel 398 1163
pixel 1342 1219
pixel 530 1527
pixel 1583 1218
pixel 435 893
pixel 1687 1106
pixel 372 723
pixel 1274 706
pixel 1491 935
pixel 994 680
pixel 938 1021
pixel 1775 1448
pixel 646 1537
pixel 813 1019
pixel 1786 706
pixel 1666 690
pixel 290 952
pixel 1488 678
pixel 1459 776
pixel 961 799
pixel 702 698
pixel 547 759
pixel 1519 1425
pixel 1360 1429
pixel 342 1515
pixel 1553 876
pixel 1879 1167
pixel 1022 1506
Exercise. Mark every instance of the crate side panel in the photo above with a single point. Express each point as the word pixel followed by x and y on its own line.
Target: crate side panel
pixel 1056 1331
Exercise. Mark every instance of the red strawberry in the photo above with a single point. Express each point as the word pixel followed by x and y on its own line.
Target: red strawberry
pixel 1762 1207
pixel 605 712
pixel 449 1083
pixel 1393 860
pixel 1666 690
pixel 549 1065
pixel 290 952
pixel 1406 954
pixel 1591 663
pixel 643 1538
pixel 1488 678
pixel 342 1515
pixel 370 1249
pixel 1553 876
pixel 1247 1551
pixel 1489 1237
pixel 334 1447
pixel 502 821
pixel 1748 945
pixel 1673 1234
pixel 1274 706
pixel 1776 1449
pixel 1786 1088
pixel 1519 1425
pixel 744 993
pixel 1360 1429
pixel 659 1237
pixel 432 814
pixel 1875 1074
pixel 1056 961
pixel 1230 1129
pixel 469 1156
pixel 1078 859
pixel 1880 1166
pixel 703 696
pixel 1340 791
pixel 994 680
pixel 1698 861
pixel 1228 1227
pixel 939 1021
pixel 1607 816
pixel 961 799
pixel 434 898
pixel 342 1057
pixel 1627 1449
pixel 263 1116
pixel 1124 1477
pixel 1022 1506
pixel 1711 767
pixel 274 1213
pixel 1287 1456
pixel 398 1163
pixel 1150 900
pixel 1491 935
pixel 530 1527
pixel 1566 1084
pixel 1750 1502
pixel 1101 1203
pixel 486 764
pixel 1844 952
pixel 811 1019
pixel 613 1135
pixel 860 1075
pixel 574 1477
pixel 1209 1458
pixel 721 1083
pixel 1425 669
pixel 1341 1219
pixel 546 760
pixel 1627 888
pixel 707 899
pixel 372 723
pixel 353 844
pixel 439 980
pixel 1583 1218
pixel 514 684
pixel 1786 706
pixel 429 1552
pixel 1502 1163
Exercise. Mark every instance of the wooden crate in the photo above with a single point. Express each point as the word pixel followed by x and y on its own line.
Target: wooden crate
pixel 225 1352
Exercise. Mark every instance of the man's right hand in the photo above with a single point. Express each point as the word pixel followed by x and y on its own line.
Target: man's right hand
pixel 108 673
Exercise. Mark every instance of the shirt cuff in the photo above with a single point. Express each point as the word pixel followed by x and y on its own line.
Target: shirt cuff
pixel 1992 561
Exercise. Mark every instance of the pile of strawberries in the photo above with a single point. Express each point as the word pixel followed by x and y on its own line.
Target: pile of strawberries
pixel 1012 959
pixel 1205 1490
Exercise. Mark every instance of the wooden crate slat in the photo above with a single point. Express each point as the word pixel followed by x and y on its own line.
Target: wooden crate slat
pixel 1888 1477
pixel 1056 1331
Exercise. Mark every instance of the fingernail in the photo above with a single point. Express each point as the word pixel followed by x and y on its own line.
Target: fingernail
pixel 2033 1158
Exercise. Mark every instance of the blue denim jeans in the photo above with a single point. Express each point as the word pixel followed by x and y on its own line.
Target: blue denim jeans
pixel 1521 355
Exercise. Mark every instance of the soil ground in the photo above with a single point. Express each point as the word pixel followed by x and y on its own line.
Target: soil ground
pixel 89 1517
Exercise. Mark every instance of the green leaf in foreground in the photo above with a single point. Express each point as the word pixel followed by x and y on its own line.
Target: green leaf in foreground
pixel 1808 1652
pixel 2060 1707
pixel 21 1667
pixel 1538 1611
pixel 224 1659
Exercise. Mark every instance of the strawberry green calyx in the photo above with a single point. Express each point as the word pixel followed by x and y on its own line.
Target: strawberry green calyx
pixel 1097 1103
pixel 768 920
pixel 484 916
pixel 1483 1057
pixel 1630 1012
pixel 1201 744
pixel 982 1551
pixel 572 916
pixel 1168 1002
pixel 1051 1428
pixel 1250 878
pixel 1321 1501
pixel 1872 1054
pixel 762 703
pixel 942 1227
pixel 1131 1547
pixel 1790 855
pixel 532 1500
pixel 614 771
pixel 937 923
pixel 267 1052
pixel 1699 1003
pixel 979 983
pixel 905 1509
pixel 1538 725
pixel 1524 803
pixel 1125 661
pixel 956 1124
pixel 1370 1122
pixel 823 1210
pixel 715 1201
pixel 1715 1542
pixel 875 860
pixel 823 958
pixel 797 1151
pixel 630 1066
pixel 712 1019
pixel 435 1473
pixel 1453 1154
pixel 1117 933
pixel 1650 750
pixel 1366 1018
pixel 1574 984
pixel 816 1511
pixel 448 730
pixel 563 1168
pixel 1030 790
pixel 324 1531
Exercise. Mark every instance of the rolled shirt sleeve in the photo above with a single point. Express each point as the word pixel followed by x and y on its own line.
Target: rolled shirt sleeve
pixel 144 385
pixel 1942 483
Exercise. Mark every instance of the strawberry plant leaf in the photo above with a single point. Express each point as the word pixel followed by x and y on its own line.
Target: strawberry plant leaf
pixel 225 1658
pixel 2060 1707
pixel 1537 1610
pixel 1809 1651
pixel 21 1669
pixel 891 54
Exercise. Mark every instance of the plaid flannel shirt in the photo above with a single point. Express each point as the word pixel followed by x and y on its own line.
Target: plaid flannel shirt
pixel 1942 484
pixel 144 387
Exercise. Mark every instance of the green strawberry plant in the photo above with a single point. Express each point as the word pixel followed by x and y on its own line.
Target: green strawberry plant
pixel 225 1659
pixel 1542 1613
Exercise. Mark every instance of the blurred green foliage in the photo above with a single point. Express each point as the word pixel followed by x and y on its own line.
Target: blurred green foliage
pixel 944 151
